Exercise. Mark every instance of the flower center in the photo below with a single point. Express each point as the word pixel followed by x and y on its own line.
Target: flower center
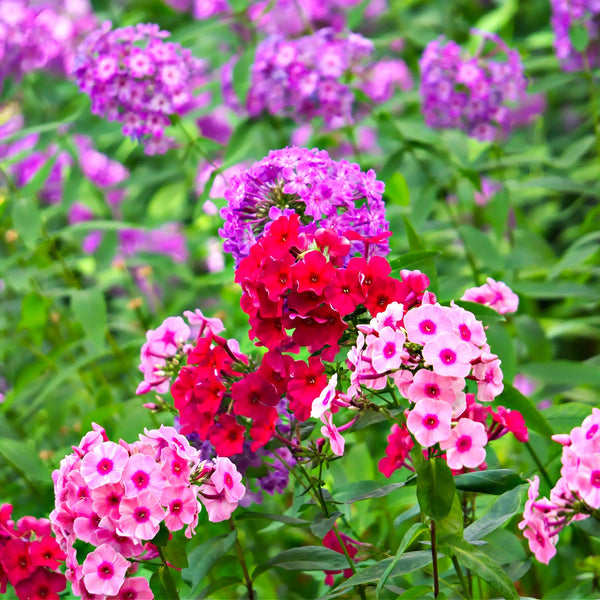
pixel 389 349
pixel 141 480
pixel 591 432
pixel 465 332
pixel 595 479
pixel 105 570
pixel 104 466
pixel 431 390
pixel 448 356
pixel 430 421
pixel 141 514
pixel 464 443
pixel 228 480
pixel 428 326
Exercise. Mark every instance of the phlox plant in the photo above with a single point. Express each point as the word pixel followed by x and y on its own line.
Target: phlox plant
pixel 299 299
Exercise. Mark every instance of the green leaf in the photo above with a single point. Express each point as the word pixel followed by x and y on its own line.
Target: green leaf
pixel 453 522
pixel 409 537
pixel 435 488
pixel 176 554
pixel 512 398
pixel 307 558
pixel 241 73
pixel 556 289
pixel 417 592
pixel 89 307
pixel 167 582
pixel 361 490
pixel 414 241
pixel 27 220
pixel 563 417
pixel 486 314
pixel 321 524
pixel 507 505
pixel 411 259
pixel 483 566
pixel 169 203
pixel 26 461
pixel 408 562
pixel 396 189
pixel 494 20
pixel 240 143
pixel 481 246
pixel 204 557
pixel 495 481
pixel 34 314
pixel 563 372
pixel 579 36
pixel 251 514
pixel 209 590
pixel 497 210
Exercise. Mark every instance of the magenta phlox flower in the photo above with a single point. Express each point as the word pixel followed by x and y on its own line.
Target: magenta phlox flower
pixel 429 384
pixel 392 317
pixel 541 543
pixel 140 516
pixel 465 445
pixel 425 322
pixel 429 421
pixel 181 507
pixel 331 432
pixel 449 355
pixel 104 464
pixel 227 479
pixel 388 351
pixel 142 474
pixel 104 571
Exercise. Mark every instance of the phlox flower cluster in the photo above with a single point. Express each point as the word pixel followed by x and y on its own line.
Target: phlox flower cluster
pixel 41 35
pixel 476 94
pixel 567 15
pixel 323 192
pixel 495 294
pixel 135 77
pixel 576 494
pixel 117 496
pixel 429 351
pixel 316 76
pixel 29 557
pixel 332 542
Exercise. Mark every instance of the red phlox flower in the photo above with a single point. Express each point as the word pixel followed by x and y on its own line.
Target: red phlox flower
pixel 305 384
pixel 313 272
pixel 369 269
pixel 16 560
pixel 227 436
pixel 41 584
pixel 269 332
pixel 276 276
pixel 383 290
pixel 281 236
pixel 262 428
pixel 398 450
pixel 417 283
pixel 275 368
pixel 337 246
pixel 301 303
pixel 251 394
pixel 345 292
pixel 46 552
pixel 507 420
pixel 332 542
pixel 320 330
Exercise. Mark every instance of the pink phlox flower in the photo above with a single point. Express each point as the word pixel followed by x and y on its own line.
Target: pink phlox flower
pixel 134 588
pixel 176 469
pixel 391 317
pixel 106 499
pixel 448 355
pixel 325 399
pixel 586 438
pixel 564 439
pixel 495 294
pixel 166 436
pixel 199 323
pixel 466 326
pixel 388 351
pixel 465 445
pixel 428 384
pixel 142 474
pixel 104 571
pixel 403 379
pixel 140 516
pixel 227 479
pixel 104 464
pixel 587 479
pixel 125 545
pixel 86 524
pixel 426 322
pixel 429 421
pixel 90 440
pixel 217 506
pixel 541 542
pixel 330 431
pixel 181 506
pixel 489 380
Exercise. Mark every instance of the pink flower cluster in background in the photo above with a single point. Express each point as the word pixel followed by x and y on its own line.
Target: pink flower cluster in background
pixel 135 77
pixel 29 557
pixel 116 497
pixel 495 294
pixel 476 94
pixel 576 494
pixel 308 77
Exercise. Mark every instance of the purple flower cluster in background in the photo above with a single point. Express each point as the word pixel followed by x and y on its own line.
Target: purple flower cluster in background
pixel 308 77
pixel 568 14
pixel 324 192
pixel 41 35
pixel 133 76
pixel 473 93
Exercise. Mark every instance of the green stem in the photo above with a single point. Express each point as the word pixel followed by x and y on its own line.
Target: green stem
pixel 436 581
pixel 240 554
pixel 461 577
pixel 539 464
pixel 167 571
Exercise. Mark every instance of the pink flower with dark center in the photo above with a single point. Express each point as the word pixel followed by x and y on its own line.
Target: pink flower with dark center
pixel 182 507
pixel 227 479
pixel 428 384
pixel 106 500
pixel 449 355
pixel 429 421
pixel 586 438
pixel 134 588
pixel 104 464
pixel 541 543
pixel 140 516
pixel 142 474
pixel 489 380
pixel 104 571
pixel 388 351
pixel 465 445
pixel 425 322
pixel 588 479
pixel 217 506
pixel 466 326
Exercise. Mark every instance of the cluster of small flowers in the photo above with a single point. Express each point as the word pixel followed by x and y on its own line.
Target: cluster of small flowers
pixel 134 77
pixel 41 35
pixel 115 497
pixel 576 494
pixel 29 557
pixel 475 94
pixel 495 294
pixel 323 192
pixel 307 77
pixel 566 15
pixel 429 351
